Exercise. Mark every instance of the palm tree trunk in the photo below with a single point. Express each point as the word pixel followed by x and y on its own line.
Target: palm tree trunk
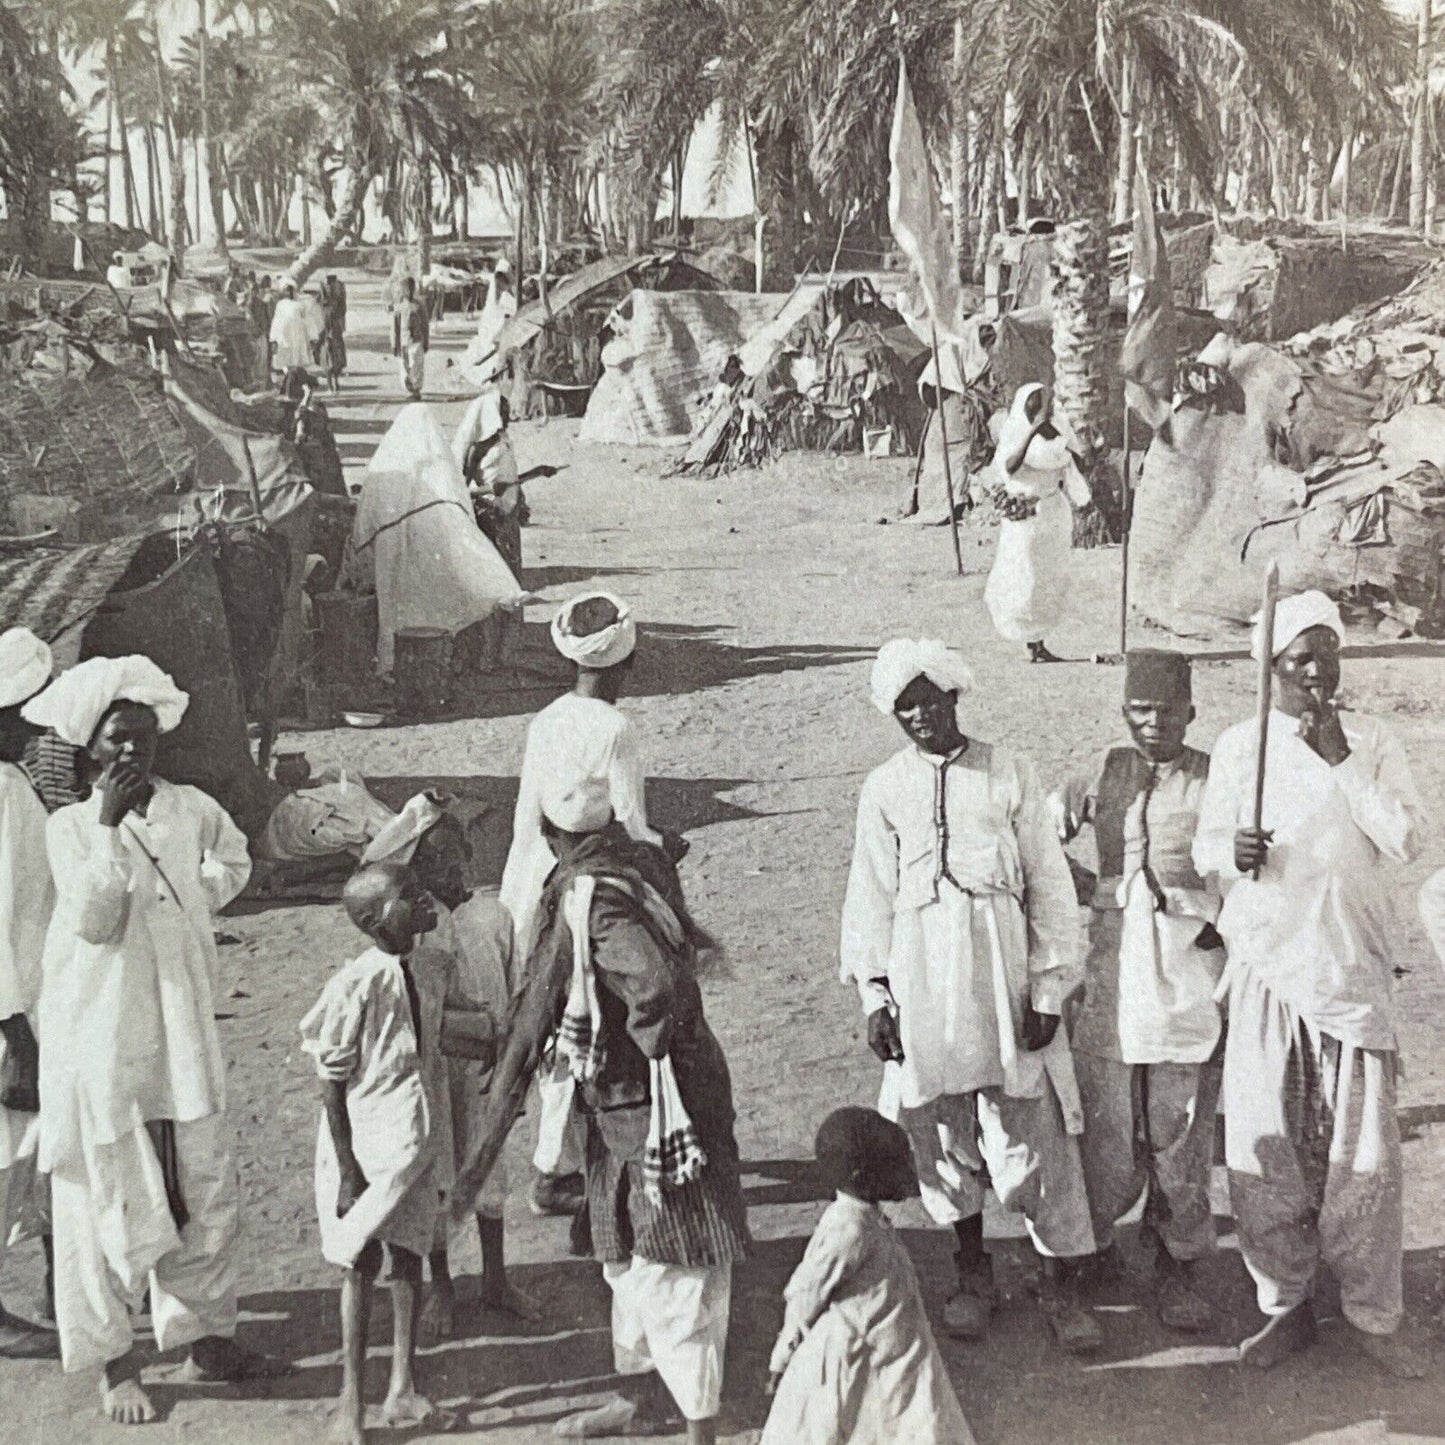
pixel 1128 151
pixel 109 149
pixel 958 151
pixel 153 202
pixel 1419 121
pixel 348 212
pixel 1397 190
pixel 213 178
pixel 987 213
pixel 1081 309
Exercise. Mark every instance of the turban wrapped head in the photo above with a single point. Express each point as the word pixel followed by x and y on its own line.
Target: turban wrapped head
pixel 75 703
pixel 396 840
pixel 1154 675
pixel 904 659
pixel 25 666
pixel 579 640
pixel 576 805
pixel 1294 615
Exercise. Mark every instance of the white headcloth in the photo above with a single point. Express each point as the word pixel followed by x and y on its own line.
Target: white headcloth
pixel 1294 615
pixel 576 805
pixel 396 839
pixel 25 665
pixel 73 705
pixel 596 650
pixel 906 658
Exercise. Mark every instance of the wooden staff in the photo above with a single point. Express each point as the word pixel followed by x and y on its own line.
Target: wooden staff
pixel 947 466
pixel 1266 684
pixel 1127 501
pixel 530 1024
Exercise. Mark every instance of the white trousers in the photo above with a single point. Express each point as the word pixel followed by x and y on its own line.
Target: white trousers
pixel 114 1236
pixel 561 1142
pixel 672 1319
pixel 963 1143
pixel 411 365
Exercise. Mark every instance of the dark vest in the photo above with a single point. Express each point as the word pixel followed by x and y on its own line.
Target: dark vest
pixel 1171 836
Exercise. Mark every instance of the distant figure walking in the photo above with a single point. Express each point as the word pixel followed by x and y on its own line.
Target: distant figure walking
pixel 411 338
pixel 1035 480
pixel 332 358
pixel 294 327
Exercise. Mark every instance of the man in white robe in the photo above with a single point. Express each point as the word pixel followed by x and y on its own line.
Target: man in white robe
pixel 295 324
pixel 26 898
pixel 961 934
pixel 582 736
pixel 133 1130
pixel 1311 1138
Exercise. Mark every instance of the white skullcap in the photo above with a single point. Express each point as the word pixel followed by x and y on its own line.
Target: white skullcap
pixel 25 665
pixel 73 705
pixel 596 650
pixel 396 839
pixel 1294 615
pixel 905 658
pixel 576 805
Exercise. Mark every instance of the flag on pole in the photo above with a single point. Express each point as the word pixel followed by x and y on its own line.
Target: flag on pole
pixel 916 218
pixel 1148 355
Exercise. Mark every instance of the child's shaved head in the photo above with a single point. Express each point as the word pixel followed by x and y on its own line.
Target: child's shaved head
pixel 388 904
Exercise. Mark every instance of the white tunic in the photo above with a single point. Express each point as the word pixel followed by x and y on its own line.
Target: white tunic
pixel 1028 583
pixel 1432 911
pixel 1315 927
pixel 582 738
pixel 960 899
pixel 26 898
pixel 362 1033
pixel 295 324
pixel 129 969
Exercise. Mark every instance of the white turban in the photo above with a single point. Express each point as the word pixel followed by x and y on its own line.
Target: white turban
pixel 25 665
pixel 905 658
pixel 576 805
pixel 396 839
pixel 596 650
pixel 73 705
pixel 1294 615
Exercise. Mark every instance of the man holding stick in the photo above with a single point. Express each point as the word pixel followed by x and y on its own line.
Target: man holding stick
pixel 1311 1138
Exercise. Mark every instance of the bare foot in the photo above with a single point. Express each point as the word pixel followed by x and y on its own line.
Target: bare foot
pixel 1391 1354
pixel 413 1408
pixel 509 1300
pixel 21 1340
pixel 438 1314
pixel 344 1424
pixel 126 1403
pixel 215 1360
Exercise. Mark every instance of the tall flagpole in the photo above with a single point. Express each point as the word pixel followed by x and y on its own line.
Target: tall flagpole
pixel 1127 499
pixel 943 438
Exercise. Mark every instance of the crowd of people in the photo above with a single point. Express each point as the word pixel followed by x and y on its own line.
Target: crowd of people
pixel 1231 955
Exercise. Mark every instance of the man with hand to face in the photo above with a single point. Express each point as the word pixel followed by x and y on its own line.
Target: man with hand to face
pixel 960 932
pixel 1311 1138
pixel 1146 1039
pixel 133 1128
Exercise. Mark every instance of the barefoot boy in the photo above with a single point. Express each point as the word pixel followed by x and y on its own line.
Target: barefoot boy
pixel 467 961
pixel 374 1153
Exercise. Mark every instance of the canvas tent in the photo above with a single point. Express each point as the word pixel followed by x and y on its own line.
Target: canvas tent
pixel 847 365
pixel 128 595
pixel 1275 459
pixel 553 347
pixel 666 354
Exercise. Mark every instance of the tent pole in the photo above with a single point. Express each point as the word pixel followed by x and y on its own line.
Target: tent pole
pixel 947 465
pixel 918 464
pixel 1127 500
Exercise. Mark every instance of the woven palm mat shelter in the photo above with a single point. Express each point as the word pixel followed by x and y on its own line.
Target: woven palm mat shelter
pixel 112 598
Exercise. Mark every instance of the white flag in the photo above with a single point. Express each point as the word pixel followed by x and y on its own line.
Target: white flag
pixel 917 220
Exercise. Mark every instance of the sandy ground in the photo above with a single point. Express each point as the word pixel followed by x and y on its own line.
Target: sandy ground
pixel 763 596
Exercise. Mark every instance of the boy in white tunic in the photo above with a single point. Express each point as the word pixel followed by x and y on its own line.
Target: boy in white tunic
pixel 1146 1038
pixel 961 934
pixel 377 1155
pixel 26 898
pixel 581 737
pixel 143 1181
pixel 1311 1137
pixel 469 954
